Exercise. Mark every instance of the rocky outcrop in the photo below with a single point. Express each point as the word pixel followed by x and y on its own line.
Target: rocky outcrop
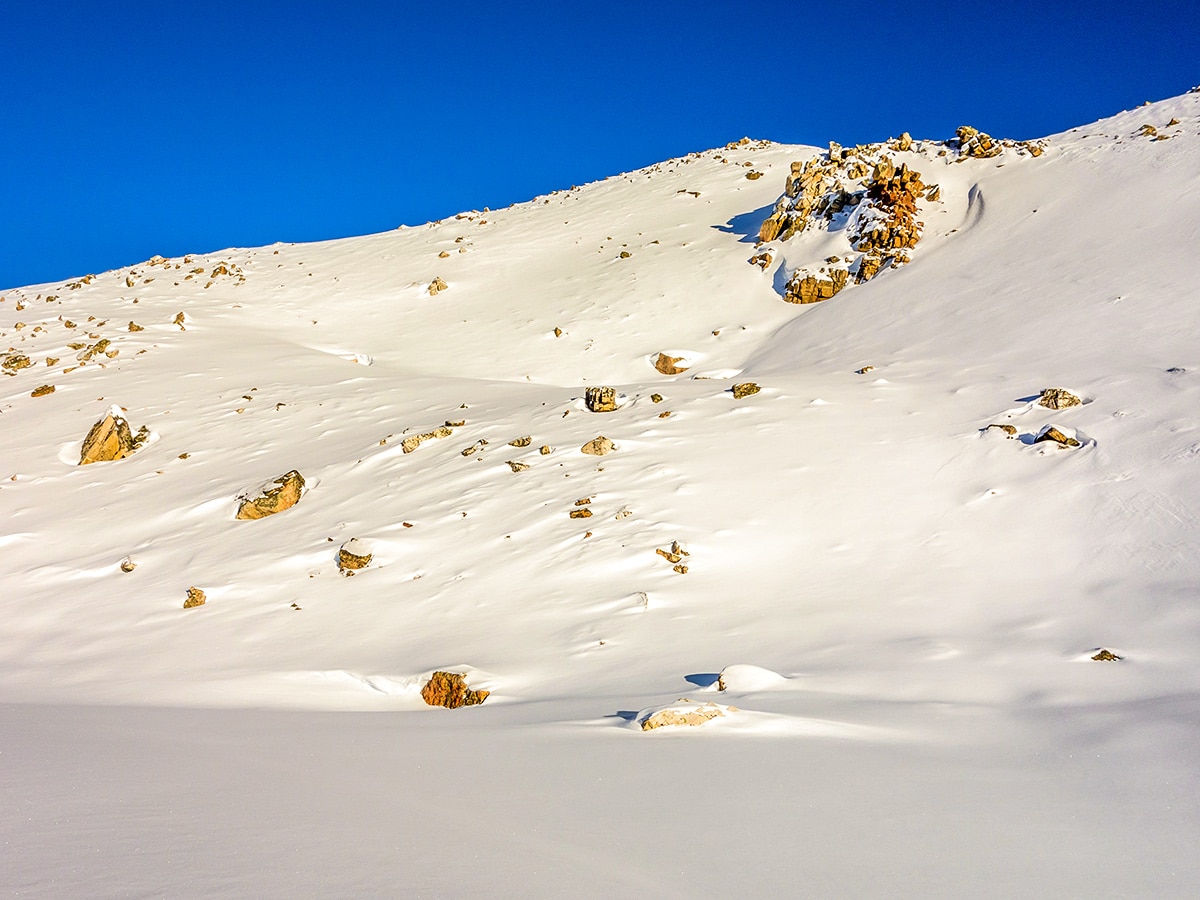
pixel 975 143
pixel 110 439
pixel 353 556
pixel 805 287
pixel 600 399
pixel 449 689
pixel 280 493
pixel 1058 398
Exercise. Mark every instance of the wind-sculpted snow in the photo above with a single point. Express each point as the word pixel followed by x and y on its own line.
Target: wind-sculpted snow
pixel 845 526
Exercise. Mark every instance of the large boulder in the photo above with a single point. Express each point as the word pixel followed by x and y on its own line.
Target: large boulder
pixel 600 399
pixel 277 495
pixel 449 689
pixel 110 439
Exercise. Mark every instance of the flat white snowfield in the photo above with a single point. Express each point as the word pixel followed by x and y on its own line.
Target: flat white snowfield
pixel 880 615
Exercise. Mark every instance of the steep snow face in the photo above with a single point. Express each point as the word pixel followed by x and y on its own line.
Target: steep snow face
pixel 865 557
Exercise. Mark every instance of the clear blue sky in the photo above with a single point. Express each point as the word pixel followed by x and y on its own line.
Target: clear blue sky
pixel 134 128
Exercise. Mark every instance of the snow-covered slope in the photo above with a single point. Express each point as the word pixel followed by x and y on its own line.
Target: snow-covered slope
pixel 903 588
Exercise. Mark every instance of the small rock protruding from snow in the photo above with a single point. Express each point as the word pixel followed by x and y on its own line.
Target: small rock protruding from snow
pixel 437 286
pixel 279 494
pixel 353 556
pixel 1053 435
pixel 410 443
pixel 110 439
pixel 1009 431
pixel 128 565
pixel 195 597
pixel 598 446
pixel 670 365
pixel 682 712
pixel 744 389
pixel 748 678
pixel 1105 655
pixel 449 689
pixel 1058 398
pixel 600 399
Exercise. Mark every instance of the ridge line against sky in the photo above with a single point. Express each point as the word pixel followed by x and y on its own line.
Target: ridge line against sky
pixel 134 129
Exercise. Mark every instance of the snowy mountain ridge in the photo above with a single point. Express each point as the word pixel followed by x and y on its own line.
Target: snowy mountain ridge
pixel 870 563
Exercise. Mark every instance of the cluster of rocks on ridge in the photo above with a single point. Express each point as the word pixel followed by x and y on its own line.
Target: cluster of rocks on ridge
pixel 877 201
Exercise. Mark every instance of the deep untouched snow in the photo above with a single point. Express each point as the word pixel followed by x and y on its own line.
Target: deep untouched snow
pixel 912 604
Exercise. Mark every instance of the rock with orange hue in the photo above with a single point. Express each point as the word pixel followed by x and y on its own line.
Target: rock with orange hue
pixel 279 494
pixel 449 689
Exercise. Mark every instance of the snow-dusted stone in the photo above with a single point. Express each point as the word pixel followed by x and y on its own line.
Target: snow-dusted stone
pixel 975 143
pixel 682 712
pixel 109 439
pixel 1007 430
pixel 1058 398
pixel 805 287
pixel 15 361
pixel 748 678
pixel 195 597
pixel 353 556
pixel 437 286
pixel 598 446
pixel 277 495
pixel 600 399
pixel 449 689
pixel 1053 435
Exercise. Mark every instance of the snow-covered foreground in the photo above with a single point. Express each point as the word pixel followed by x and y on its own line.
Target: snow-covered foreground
pixel 905 604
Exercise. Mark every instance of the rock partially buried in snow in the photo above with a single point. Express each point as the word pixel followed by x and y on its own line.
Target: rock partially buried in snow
pixel 195 597
pixel 1053 435
pixel 279 494
pixel 449 689
pixel 1058 398
pixel 748 678
pixel 1105 655
pixel 600 399
pixel 1007 430
pixel 745 389
pixel 353 556
pixel 669 365
pixel 682 712
pixel 410 443
pixel 110 439
pixel 598 446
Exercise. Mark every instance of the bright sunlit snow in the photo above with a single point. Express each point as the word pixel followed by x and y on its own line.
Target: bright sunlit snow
pixel 888 609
